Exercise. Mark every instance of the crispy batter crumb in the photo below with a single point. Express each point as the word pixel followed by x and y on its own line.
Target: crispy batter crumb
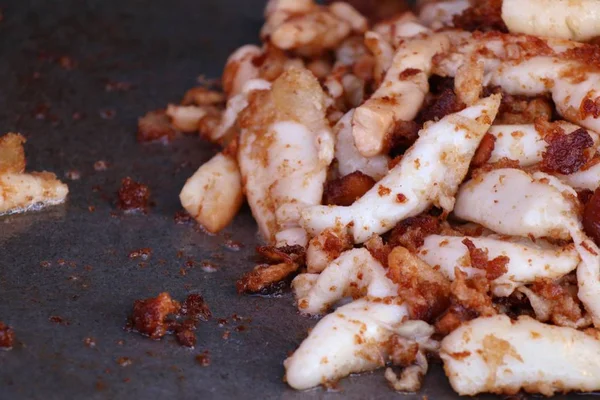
pixel 133 195
pixel 149 315
pixel 7 337
pixel 155 126
pixel 262 276
pixel 143 253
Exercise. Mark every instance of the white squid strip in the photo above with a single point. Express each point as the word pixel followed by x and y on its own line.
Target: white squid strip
pixel 524 143
pixel 566 19
pixel 284 163
pixel 583 179
pixel 20 192
pixel 349 340
pixel 511 202
pixel 349 158
pixel 528 260
pixel 354 271
pixel 429 173
pixel 397 98
pixel 497 355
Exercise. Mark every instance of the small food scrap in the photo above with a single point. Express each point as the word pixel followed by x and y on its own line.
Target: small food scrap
pixel 150 317
pixel 155 126
pixel 73 175
pixel 133 196
pixel 7 336
pixel 143 253
pixel 21 191
pixel 108 113
pixel 124 361
pixel 203 359
pixel 100 165
pixel 59 320
pixel 90 342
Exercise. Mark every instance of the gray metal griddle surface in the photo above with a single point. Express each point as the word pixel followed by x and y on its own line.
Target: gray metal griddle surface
pixel 159 48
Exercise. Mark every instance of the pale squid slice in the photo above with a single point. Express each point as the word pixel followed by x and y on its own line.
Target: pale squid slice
pixel 285 148
pixel 498 355
pixel 213 195
pixel 512 202
pixel 349 158
pixel 439 14
pixel 355 272
pixel 528 260
pixel 524 143
pixel 400 96
pixel 429 173
pixel 350 340
pixel 239 69
pixel 566 19
pixel 21 191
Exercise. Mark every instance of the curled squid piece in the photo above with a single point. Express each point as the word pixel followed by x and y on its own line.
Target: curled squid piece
pixel 285 149
pixel 354 338
pixel 213 195
pixel 349 158
pixel 512 202
pixel 400 96
pixel 21 191
pixel 310 29
pixel 565 19
pixel 439 14
pixel 355 273
pixel 240 68
pixel 502 356
pixel 529 66
pixel 524 260
pixel 235 105
pixel 429 173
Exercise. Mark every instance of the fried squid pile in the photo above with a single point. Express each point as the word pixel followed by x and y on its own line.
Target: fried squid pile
pixel 428 182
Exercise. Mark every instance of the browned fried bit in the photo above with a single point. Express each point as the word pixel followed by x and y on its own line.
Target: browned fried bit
pixel 482 15
pixel 479 259
pixel 133 195
pixel 411 232
pixel 346 190
pixel 284 254
pixel 195 308
pixel 7 336
pixel 89 342
pixel 438 106
pixel 149 315
pixel 591 217
pixel 143 253
pixel 565 153
pixel 564 307
pixel 484 151
pixel 154 126
pixel 262 276
pixel 59 320
pixel 425 289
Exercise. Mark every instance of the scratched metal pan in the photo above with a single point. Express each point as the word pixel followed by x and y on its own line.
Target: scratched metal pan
pixel 59 62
